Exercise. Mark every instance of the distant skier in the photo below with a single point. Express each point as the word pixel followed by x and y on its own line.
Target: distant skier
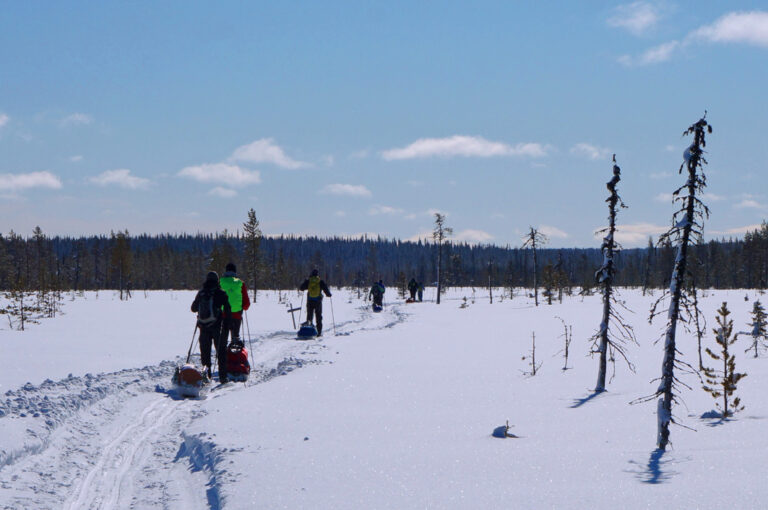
pixel 413 286
pixel 212 306
pixel 421 291
pixel 315 288
pixel 377 293
pixel 237 293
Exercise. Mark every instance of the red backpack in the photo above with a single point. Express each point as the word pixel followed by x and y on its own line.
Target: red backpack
pixel 237 360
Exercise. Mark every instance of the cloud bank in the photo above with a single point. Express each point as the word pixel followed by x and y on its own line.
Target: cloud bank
pixel 265 151
pixel 465 146
pixel 221 173
pixel 121 177
pixel 349 190
pixel 18 182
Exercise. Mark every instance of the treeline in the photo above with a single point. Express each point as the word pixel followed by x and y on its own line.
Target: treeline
pixel 124 262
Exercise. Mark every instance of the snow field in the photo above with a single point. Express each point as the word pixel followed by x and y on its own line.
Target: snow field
pixel 394 411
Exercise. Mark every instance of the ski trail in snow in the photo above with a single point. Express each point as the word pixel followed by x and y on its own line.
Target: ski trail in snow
pixel 116 440
pixel 101 487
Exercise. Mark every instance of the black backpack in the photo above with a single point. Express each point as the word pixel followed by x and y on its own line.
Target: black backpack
pixel 207 313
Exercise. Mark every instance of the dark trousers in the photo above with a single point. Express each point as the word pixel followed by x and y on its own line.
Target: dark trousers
pixel 413 294
pixel 315 306
pixel 378 299
pixel 231 330
pixel 213 335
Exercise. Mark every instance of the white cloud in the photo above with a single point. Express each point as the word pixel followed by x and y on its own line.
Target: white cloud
pixel 121 177
pixel 17 182
pixel 4 119
pixel 350 190
pixel 459 145
pixel 711 197
pixel 76 119
pixel 737 27
pixel 340 214
pixel 424 235
pixel 552 232
pixel 328 160
pixel 473 236
pixel 361 154
pixel 749 204
pixel 76 159
pixel 221 173
pixel 637 17
pixel 590 151
pixel 220 192
pixel 636 234
pixel 664 197
pixel 736 230
pixel 265 151
pixel 383 209
pixel 655 55
pixel 660 175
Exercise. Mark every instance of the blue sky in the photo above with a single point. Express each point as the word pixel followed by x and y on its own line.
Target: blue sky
pixel 343 118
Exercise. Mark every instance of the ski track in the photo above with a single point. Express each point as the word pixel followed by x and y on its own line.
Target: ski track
pixel 116 440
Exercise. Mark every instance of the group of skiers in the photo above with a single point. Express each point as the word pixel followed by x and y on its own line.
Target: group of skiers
pixel 220 303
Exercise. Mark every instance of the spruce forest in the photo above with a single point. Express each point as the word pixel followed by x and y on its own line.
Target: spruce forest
pixel 150 262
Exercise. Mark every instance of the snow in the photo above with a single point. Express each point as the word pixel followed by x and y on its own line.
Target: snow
pixel 396 410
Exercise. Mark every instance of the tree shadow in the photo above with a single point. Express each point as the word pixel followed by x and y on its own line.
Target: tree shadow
pixel 714 419
pixel 581 401
pixel 656 471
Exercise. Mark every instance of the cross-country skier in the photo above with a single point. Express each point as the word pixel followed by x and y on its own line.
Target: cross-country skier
pixel 377 293
pixel 237 293
pixel 211 305
pixel 412 288
pixel 315 288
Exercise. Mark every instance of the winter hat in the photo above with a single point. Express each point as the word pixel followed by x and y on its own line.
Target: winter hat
pixel 231 267
pixel 212 277
pixel 315 272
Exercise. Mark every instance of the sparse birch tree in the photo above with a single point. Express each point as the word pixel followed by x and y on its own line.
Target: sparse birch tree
pixel 687 228
pixel 439 235
pixel 533 240
pixel 723 383
pixel 605 339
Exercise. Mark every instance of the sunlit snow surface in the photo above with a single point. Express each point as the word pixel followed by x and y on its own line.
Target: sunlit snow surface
pixel 389 410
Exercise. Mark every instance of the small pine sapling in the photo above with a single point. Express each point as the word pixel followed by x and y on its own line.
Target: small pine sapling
pixel 532 357
pixel 723 383
pixel 567 336
pixel 759 325
pixel 606 342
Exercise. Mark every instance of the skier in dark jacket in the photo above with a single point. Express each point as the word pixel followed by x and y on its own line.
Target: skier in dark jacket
pixel 412 288
pixel 315 288
pixel 377 293
pixel 217 302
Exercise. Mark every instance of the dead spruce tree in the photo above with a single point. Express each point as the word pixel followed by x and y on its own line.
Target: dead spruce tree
pixel 533 240
pixel 439 235
pixel 687 227
pixel 605 339
pixel 723 383
pixel 759 325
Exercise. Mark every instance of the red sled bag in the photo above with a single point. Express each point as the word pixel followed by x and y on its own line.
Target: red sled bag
pixel 237 360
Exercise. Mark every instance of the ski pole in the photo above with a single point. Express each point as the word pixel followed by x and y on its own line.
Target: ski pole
pixel 333 317
pixel 189 354
pixel 301 306
pixel 250 346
